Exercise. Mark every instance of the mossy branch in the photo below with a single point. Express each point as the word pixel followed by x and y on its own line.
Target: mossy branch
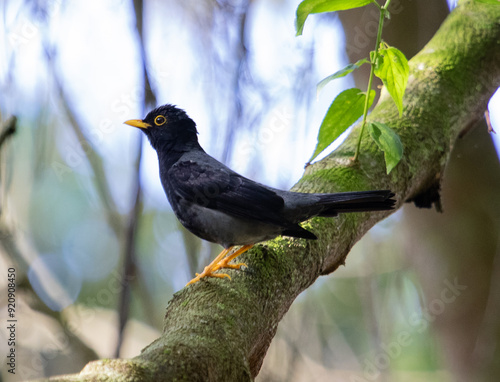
pixel 219 330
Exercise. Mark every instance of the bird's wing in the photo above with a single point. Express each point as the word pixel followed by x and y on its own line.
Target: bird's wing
pixel 222 189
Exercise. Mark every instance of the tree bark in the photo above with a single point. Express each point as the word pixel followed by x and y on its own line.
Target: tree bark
pixel 220 330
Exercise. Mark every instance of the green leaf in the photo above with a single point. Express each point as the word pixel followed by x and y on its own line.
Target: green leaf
pixel 392 68
pixel 494 2
pixel 388 141
pixel 345 109
pixel 319 6
pixel 341 73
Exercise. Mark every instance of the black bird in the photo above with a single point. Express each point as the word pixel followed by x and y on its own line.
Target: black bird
pixel 221 206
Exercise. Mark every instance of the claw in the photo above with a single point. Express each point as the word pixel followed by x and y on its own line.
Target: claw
pixel 229 266
pixel 221 261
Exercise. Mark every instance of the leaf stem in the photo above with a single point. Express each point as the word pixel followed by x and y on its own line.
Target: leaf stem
pixel 377 4
pixel 373 61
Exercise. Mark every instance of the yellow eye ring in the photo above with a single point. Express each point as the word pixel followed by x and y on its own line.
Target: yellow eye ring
pixel 160 120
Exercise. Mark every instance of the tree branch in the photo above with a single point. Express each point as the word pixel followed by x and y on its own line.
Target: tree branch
pixel 219 330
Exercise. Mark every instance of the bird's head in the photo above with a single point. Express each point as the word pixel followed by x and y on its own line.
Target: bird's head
pixel 167 128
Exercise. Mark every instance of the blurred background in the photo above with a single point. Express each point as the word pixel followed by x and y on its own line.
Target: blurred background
pixel 97 250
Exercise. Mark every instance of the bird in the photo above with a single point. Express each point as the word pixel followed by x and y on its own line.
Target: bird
pixel 221 206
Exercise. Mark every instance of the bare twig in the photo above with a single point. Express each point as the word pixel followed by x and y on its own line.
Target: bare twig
pixel 95 161
pixel 129 268
pixel 8 128
pixel 129 260
pixel 241 54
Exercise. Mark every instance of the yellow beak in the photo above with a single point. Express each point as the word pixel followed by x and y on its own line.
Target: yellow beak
pixel 137 123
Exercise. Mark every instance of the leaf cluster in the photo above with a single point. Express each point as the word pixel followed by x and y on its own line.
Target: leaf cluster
pixel 387 63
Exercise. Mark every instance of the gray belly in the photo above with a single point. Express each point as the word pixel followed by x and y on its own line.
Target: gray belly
pixel 223 229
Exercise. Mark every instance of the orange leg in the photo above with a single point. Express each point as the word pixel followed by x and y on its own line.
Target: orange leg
pixel 221 261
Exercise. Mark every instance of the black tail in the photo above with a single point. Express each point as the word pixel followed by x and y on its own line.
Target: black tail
pixel 358 201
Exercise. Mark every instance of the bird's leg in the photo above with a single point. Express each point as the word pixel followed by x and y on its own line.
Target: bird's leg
pixel 210 268
pixel 224 263
pixel 221 261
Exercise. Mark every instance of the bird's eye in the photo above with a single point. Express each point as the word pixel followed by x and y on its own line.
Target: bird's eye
pixel 160 120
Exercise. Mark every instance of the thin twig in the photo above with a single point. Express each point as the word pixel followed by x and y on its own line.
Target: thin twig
pixel 241 52
pixel 8 128
pixel 95 161
pixel 129 259
pixel 129 255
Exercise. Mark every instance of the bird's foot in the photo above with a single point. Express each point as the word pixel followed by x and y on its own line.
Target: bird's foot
pixel 208 273
pixel 224 264
pixel 221 261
